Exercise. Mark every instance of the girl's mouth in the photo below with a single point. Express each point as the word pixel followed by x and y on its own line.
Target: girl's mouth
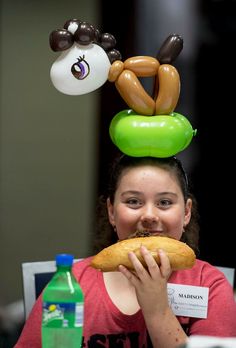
pixel 144 233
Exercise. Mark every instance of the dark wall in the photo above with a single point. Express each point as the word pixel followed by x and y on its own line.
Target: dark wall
pixel 214 176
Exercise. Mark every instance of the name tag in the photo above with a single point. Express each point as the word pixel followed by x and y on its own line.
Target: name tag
pixel 188 300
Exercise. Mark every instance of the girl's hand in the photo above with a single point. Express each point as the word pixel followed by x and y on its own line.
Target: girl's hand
pixel 150 283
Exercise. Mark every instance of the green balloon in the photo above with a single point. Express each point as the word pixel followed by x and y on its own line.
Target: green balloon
pixel 155 136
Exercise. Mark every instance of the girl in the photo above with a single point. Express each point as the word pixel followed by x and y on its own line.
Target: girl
pixel 131 309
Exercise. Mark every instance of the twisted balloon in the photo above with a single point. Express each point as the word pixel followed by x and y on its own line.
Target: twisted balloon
pixel 88 59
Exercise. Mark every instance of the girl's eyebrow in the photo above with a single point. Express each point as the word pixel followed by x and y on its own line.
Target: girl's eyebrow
pixel 134 192
pixel 168 193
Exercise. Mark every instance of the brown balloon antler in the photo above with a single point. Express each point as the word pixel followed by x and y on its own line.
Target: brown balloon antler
pixel 168 52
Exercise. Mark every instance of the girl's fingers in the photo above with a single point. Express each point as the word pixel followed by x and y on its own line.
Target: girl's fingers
pixel 128 274
pixel 153 267
pixel 154 270
pixel 139 269
pixel 165 267
pixel 143 273
pixel 139 273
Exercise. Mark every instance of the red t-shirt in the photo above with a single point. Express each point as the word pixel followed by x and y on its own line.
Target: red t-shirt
pixel 106 327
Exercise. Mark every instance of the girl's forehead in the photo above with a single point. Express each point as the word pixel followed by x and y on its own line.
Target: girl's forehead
pixel 145 168
pixel 149 180
pixel 146 172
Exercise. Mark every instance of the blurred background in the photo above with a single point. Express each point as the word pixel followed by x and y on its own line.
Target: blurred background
pixel 55 149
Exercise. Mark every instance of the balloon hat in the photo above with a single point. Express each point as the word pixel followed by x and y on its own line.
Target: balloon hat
pixel 150 127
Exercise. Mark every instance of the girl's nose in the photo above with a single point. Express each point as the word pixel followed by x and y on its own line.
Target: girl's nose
pixel 149 217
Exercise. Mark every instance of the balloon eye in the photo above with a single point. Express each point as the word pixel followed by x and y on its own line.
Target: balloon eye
pixel 80 69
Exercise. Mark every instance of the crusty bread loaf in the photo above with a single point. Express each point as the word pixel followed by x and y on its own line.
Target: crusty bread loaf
pixel 181 256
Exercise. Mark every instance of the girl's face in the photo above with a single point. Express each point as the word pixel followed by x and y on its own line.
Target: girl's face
pixel 149 198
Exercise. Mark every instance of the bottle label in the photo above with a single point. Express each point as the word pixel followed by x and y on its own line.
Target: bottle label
pixel 62 315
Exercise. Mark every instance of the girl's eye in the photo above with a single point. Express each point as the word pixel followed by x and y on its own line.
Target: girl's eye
pixel 164 203
pixel 134 202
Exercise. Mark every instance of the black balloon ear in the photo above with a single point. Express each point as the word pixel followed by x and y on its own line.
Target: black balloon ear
pixel 75 22
pixel 107 41
pixel 170 49
pixel 97 36
pixel 114 55
pixel 60 40
pixel 85 34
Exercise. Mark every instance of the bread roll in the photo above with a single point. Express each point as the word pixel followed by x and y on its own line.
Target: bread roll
pixel 181 256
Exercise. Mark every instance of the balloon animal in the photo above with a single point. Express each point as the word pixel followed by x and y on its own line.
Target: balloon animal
pixel 89 58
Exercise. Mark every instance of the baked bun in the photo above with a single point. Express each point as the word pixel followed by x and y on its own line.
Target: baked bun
pixel 181 256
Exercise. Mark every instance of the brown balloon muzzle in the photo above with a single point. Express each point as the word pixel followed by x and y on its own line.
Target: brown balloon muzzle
pixel 167 85
pixel 167 81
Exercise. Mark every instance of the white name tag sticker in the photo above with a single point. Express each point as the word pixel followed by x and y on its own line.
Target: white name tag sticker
pixel 188 300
